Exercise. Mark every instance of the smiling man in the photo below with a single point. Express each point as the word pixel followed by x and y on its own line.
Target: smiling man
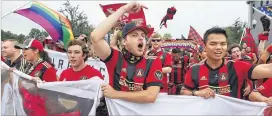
pixel 166 59
pixel 215 75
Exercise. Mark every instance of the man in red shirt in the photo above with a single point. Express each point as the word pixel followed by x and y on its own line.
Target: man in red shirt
pixel 78 55
pixel 236 55
pixel 165 57
pixel 132 77
pixel 252 55
pixel 217 76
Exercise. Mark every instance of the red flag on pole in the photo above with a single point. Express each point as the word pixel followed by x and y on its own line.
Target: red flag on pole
pixel 127 17
pixel 195 36
pixel 249 40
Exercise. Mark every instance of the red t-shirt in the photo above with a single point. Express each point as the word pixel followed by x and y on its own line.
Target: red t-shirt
pixel 266 89
pixel 126 80
pixel 226 80
pixel 86 73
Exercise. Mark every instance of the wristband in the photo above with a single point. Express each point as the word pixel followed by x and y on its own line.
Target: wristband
pixel 193 93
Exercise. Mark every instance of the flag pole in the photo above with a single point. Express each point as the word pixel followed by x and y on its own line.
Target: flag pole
pixel 243 34
pixel 16 9
pixel 262 13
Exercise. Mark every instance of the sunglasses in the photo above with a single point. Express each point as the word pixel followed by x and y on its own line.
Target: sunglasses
pixel 156 40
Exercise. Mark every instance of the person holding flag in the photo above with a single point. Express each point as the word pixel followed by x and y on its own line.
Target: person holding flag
pixel 132 77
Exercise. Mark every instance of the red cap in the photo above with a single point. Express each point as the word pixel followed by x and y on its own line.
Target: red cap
pixel 33 43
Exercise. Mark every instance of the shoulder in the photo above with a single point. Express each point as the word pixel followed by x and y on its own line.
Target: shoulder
pixel 46 64
pixel 198 64
pixel 68 70
pixel 90 68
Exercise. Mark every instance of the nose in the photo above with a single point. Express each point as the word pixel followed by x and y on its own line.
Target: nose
pixel 218 46
pixel 72 54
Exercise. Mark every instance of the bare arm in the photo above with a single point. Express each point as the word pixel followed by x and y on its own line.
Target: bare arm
pixel 145 96
pixel 264 56
pixel 257 97
pixel 206 93
pixel 262 71
pixel 254 59
pixel 166 70
pixel 100 46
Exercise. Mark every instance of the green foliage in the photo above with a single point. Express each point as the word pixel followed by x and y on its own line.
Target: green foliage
pixel 235 31
pixel 78 19
pixel 167 36
pixel 8 35
pixel 36 33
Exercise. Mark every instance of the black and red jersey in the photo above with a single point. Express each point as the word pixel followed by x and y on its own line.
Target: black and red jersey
pixel 228 79
pixel 176 74
pixel 44 70
pixel 126 76
pixel 166 60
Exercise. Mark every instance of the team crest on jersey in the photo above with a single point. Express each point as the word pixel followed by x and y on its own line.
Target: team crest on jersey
pixel 158 75
pixel 223 77
pixel 124 70
pixel 83 78
pixel 38 74
pixel 203 78
pixel 139 73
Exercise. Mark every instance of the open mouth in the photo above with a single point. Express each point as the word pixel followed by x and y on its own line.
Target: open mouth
pixel 140 45
pixel 218 53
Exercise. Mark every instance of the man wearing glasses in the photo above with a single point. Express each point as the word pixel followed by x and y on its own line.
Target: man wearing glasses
pixel 156 50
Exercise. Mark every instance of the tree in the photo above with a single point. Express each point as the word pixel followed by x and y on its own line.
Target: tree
pixel 36 33
pixel 78 20
pixel 235 31
pixel 167 36
pixel 8 35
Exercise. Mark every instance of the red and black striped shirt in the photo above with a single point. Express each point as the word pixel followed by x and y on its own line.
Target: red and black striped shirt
pixel 226 80
pixel 126 76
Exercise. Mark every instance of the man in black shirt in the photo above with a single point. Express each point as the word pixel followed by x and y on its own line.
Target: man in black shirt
pixel 13 55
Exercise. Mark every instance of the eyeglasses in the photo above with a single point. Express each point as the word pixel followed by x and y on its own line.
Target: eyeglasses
pixel 156 40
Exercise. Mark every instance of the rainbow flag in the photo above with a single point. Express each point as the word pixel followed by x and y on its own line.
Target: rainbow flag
pixel 57 26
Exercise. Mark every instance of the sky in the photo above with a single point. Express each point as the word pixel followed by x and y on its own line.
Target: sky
pixel 201 15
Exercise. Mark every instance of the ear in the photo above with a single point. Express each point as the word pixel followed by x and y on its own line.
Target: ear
pixel 36 51
pixel 125 42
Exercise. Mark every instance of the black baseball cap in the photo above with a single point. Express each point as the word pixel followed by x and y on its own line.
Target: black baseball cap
pixel 129 27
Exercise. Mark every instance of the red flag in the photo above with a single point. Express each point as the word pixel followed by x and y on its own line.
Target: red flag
pixel 151 32
pixel 169 16
pixel 195 36
pixel 127 17
pixel 249 40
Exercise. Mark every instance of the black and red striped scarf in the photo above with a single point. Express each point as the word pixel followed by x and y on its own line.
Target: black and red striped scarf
pixel 130 57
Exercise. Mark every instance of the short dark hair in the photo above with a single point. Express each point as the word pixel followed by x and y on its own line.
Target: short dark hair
pixel 83 45
pixel 175 50
pixel 214 30
pixel 234 46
